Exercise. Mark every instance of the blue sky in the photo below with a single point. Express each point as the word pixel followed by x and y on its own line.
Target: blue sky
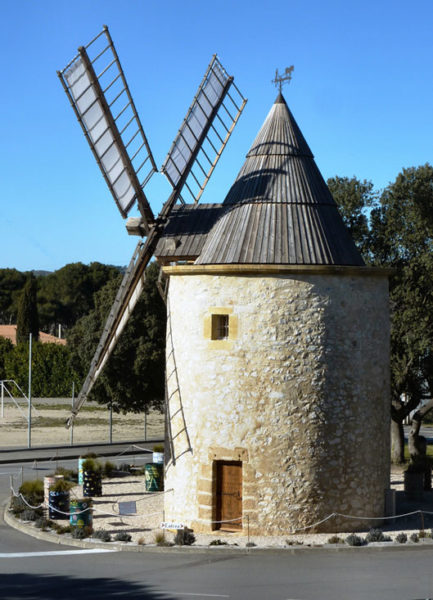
pixel 361 92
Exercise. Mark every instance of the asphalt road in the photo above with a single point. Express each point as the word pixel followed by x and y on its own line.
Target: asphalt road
pixel 32 569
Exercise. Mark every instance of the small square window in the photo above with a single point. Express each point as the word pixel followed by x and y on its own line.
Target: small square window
pixel 220 327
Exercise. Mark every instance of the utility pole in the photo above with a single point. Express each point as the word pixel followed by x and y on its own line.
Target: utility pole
pixel 30 394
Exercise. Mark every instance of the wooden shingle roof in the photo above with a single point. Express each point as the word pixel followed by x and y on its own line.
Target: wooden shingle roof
pixel 279 210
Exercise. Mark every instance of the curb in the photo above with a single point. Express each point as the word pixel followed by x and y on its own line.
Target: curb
pixel 55 538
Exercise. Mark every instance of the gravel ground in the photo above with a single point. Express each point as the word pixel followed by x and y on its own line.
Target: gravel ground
pixel 146 524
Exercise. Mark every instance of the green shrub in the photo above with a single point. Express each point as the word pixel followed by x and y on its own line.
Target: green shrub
pixel 61 529
pixel 160 539
pixel 68 474
pixel 250 545
pixel 109 468
pixel 29 515
pixel 81 533
pixel 122 536
pixel 61 485
pixel 218 543
pixel 92 465
pixel 33 491
pixel 377 535
pixel 401 538
pixel 43 523
pixel 422 534
pixel 158 448
pixel 355 540
pixel 102 535
pixel 334 539
pixel 414 538
pixel 184 537
pixel 17 505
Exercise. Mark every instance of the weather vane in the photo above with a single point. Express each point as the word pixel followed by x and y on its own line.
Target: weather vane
pixel 280 79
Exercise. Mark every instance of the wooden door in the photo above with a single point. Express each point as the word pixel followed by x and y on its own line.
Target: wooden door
pixel 229 494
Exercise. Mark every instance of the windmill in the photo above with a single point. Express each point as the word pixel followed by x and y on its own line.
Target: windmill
pixel 95 84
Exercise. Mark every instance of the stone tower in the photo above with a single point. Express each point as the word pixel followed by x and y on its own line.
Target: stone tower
pixel 277 352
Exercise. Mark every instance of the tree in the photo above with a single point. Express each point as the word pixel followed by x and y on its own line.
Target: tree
pixel 52 375
pixel 355 199
pixel 11 285
pixel 398 233
pixel 27 319
pixel 402 229
pixel 6 348
pixel 133 378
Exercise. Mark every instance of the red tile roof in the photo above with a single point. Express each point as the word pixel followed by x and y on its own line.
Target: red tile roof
pixel 10 332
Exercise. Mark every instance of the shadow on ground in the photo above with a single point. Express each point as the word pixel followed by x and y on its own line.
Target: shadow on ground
pixel 23 586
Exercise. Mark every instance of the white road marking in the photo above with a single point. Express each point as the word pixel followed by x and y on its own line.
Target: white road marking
pixel 194 594
pixel 54 553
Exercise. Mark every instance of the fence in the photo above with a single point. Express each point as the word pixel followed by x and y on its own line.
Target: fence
pixel 94 423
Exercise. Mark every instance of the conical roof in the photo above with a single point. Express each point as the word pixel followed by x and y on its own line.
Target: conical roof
pixel 280 210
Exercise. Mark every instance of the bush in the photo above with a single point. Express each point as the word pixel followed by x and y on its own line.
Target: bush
pixel 61 529
pixel 29 515
pixel 355 540
pixel 160 539
pixel 250 545
pixel 68 474
pixel 422 534
pixel 102 535
pixel 61 486
pixel 125 468
pixel 414 538
pixel 122 536
pixel 92 465
pixel 334 539
pixel 33 491
pixel 158 448
pixel 184 537
pixel 109 468
pixel 401 538
pixel 43 523
pixel 218 543
pixel 376 535
pixel 81 533
pixel 141 541
pixel 17 505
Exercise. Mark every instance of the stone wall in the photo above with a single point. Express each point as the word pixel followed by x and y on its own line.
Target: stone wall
pixel 299 393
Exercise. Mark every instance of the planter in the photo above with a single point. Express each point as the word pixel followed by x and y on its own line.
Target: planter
pixel 158 458
pixel 154 477
pixel 80 514
pixel 414 485
pixel 92 483
pixel 80 470
pixel 59 505
pixel 48 482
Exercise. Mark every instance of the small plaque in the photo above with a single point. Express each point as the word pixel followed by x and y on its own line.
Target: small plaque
pixel 171 525
pixel 127 508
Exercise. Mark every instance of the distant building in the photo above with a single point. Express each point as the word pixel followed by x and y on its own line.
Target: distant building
pixel 10 332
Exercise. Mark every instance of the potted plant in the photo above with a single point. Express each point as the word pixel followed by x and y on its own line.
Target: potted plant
pixel 58 500
pixel 92 478
pixel 81 513
pixel 158 454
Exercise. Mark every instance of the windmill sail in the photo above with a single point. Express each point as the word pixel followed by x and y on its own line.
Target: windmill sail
pixel 107 114
pixel 201 139
pixel 204 132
